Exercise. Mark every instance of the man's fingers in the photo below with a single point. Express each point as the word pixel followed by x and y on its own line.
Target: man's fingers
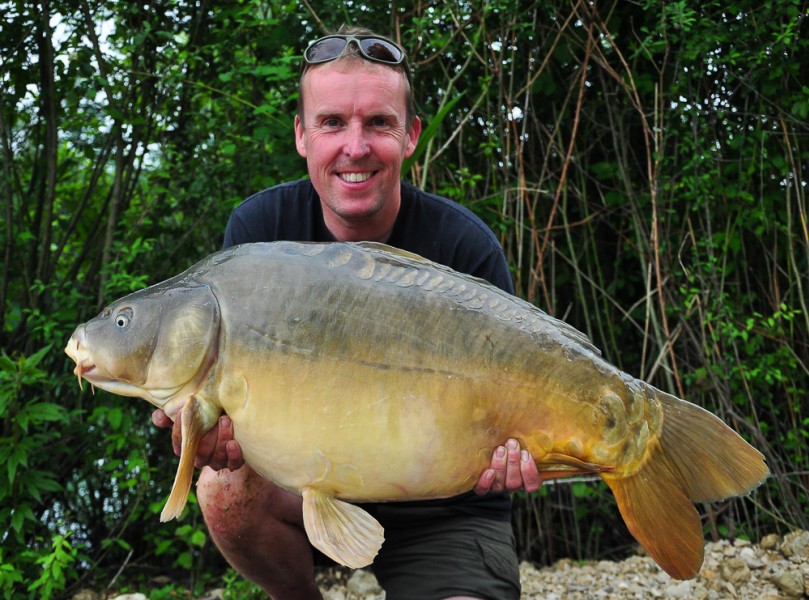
pixel 217 448
pixel 484 485
pixel 512 469
pixel 531 479
pixel 234 455
pixel 161 419
pixel 499 465
pixel 211 448
pixel 513 475
pixel 177 433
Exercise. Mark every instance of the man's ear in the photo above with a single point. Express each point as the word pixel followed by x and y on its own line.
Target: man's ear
pixel 300 143
pixel 412 137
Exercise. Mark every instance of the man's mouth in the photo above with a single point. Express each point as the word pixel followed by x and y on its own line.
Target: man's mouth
pixel 355 177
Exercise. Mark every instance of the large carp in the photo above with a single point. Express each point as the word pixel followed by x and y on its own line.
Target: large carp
pixel 356 372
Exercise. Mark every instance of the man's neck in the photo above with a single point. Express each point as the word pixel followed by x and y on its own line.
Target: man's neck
pixel 377 227
pixel 363 231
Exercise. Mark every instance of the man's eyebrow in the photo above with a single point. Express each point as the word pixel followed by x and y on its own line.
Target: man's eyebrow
pixel 327 113
pixel 334 113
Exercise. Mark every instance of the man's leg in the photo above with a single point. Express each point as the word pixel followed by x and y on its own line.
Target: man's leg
pixel 438 553
pixel 258 528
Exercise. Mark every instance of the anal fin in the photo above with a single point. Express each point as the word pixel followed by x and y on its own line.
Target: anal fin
pixel 193 427
pixel 342 531
pixel 554 465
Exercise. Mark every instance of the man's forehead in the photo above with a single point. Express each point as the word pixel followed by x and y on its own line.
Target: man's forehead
pixel 350 67
pixel 335 90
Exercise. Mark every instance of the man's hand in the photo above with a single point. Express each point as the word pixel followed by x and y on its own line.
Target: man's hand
pixel 217 449
pixel 511 469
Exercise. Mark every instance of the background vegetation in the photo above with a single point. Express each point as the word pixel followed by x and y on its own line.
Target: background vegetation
pixel 643 162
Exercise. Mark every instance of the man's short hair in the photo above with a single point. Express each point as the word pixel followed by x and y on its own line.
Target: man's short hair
pixel 352 53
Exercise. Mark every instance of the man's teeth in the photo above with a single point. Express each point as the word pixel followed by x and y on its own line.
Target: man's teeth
pixel 354 177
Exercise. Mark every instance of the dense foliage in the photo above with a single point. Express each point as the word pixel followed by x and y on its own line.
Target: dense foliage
pixel 644 164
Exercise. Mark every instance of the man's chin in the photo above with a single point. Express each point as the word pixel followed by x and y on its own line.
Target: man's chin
pixel 357 209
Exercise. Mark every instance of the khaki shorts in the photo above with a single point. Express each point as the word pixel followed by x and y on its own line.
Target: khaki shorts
pixel 432 553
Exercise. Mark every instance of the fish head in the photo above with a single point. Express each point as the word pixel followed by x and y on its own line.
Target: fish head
pixel 152 344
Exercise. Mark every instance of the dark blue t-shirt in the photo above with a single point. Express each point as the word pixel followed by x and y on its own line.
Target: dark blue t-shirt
pixel 428 225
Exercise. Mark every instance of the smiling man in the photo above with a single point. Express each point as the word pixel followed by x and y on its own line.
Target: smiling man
pixel 354 133
pixel 355 126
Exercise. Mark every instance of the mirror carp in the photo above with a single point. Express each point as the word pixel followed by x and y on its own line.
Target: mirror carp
pixel 355 372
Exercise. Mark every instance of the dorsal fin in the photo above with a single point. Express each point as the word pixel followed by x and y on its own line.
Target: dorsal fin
pixel 393 250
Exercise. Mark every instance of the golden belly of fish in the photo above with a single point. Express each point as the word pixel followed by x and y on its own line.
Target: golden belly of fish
pixel 356 372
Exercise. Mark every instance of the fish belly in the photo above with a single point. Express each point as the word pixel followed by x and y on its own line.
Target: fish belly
pixel 363 435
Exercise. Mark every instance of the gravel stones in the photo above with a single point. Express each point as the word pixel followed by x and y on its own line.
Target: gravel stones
pixel 774 569
pixel 777 568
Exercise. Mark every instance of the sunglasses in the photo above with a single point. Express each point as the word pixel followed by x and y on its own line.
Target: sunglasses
pixel 373 48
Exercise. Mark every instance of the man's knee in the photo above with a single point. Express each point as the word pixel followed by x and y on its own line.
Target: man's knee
pixel 241 502
pixel 219 500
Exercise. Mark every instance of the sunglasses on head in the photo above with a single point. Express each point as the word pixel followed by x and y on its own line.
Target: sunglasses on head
pixel 372 47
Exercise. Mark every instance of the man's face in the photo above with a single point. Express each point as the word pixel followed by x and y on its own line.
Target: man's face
pixel 354 140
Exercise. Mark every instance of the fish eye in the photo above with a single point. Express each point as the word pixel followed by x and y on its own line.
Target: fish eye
pixel 123 318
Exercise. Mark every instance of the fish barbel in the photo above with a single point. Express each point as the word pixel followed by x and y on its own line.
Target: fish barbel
pixel 357 372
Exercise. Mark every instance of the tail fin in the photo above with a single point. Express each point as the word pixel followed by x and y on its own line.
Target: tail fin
pixel 697 458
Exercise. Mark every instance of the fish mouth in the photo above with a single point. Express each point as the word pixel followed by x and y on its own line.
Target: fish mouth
pixel 83 369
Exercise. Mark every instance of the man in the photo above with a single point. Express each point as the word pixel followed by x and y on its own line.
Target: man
pixel 355 126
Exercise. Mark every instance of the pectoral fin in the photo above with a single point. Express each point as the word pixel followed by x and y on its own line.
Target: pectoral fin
pixel 342 531
pixel 193 427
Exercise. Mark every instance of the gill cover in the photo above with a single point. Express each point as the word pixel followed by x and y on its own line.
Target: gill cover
pixel 158 339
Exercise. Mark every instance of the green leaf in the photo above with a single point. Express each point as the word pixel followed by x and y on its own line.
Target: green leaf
pixel 17 519
pixel 184 560
pixel 163 547
pixel 6 364
pixel 18 456
pixel 37 356
pixel 198 538
pixel 115 417
pixel 46 411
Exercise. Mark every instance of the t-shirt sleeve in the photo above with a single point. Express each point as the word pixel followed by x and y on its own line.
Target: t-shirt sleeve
pixel 494 269
pixel 238 230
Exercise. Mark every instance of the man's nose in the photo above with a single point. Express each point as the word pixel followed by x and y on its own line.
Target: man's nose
pixel 356 143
